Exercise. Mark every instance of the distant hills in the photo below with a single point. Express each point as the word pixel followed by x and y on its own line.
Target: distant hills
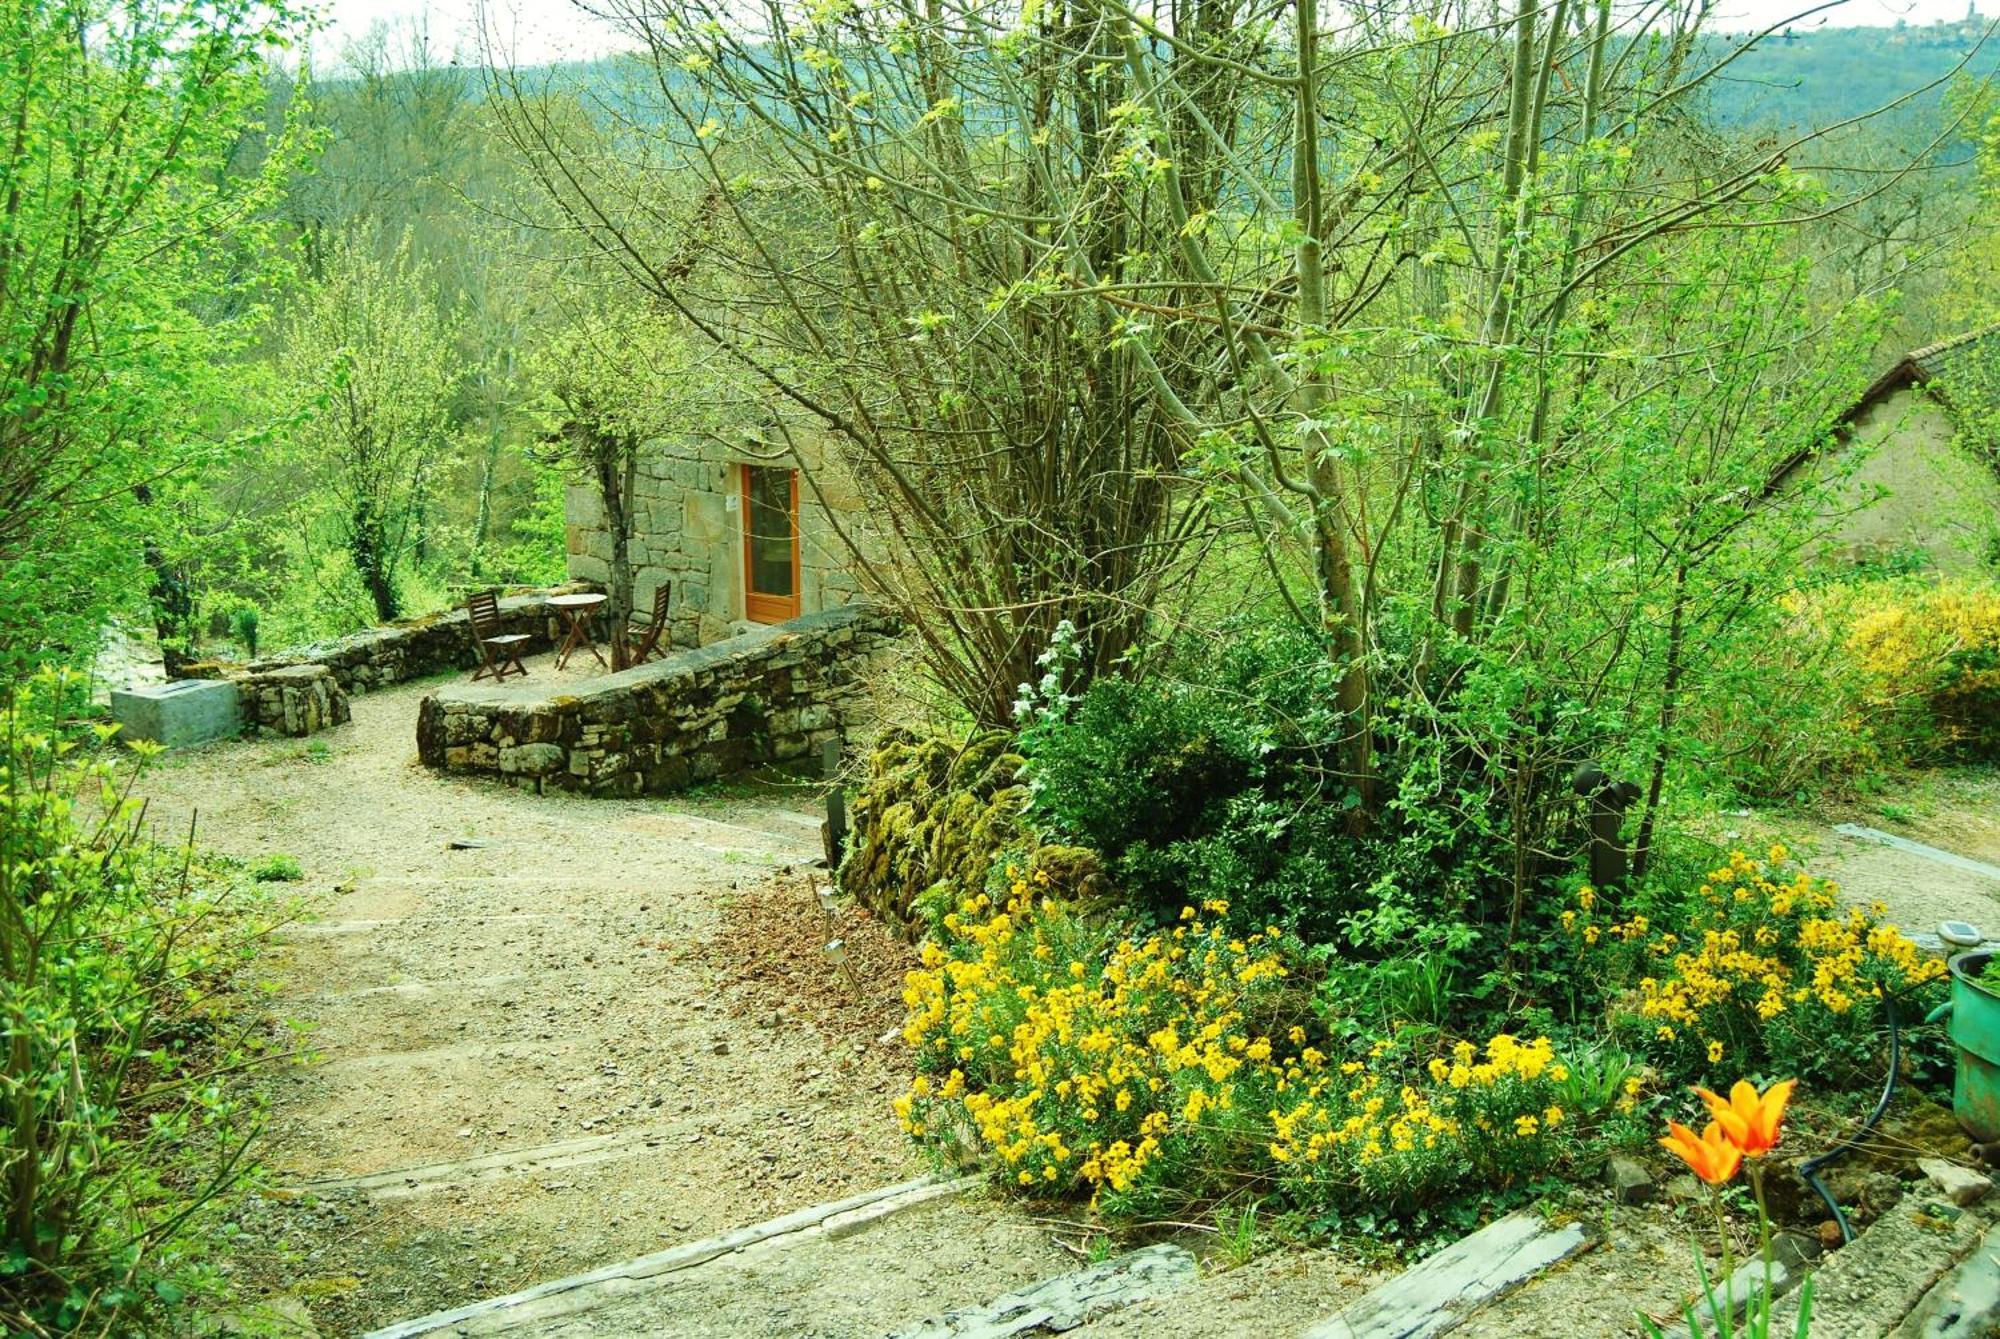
pixel 1817 76
pixel 1795 78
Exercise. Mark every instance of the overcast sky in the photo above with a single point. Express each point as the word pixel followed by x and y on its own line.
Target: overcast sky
pixel 543 30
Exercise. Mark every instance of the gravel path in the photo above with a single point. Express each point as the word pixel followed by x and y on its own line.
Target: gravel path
pixel 550 1051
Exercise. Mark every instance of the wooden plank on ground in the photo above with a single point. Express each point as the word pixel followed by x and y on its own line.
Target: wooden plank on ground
pixel 1066 1301
pixel 1439 1293
pixel 580 1292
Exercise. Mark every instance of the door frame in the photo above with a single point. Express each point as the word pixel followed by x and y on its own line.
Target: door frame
pixel 769 608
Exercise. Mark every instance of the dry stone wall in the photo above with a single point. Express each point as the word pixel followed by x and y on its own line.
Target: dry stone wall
pixel 378 657
pixel 304 691
pixel 297 700
pixel 768 696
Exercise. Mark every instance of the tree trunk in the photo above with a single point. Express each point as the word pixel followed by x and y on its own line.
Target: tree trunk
pixel 496 419
pixel 1340 604
pixel 617 472
pixel 368 545
pixel 1670 690
pixel 171 598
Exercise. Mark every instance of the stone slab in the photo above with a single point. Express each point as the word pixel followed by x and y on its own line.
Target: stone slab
pixel 1068 1300
pixel 1439 1293
pixel 185 711
pixel 1961 1185
pixel 1868 1287
pixel 1964 1304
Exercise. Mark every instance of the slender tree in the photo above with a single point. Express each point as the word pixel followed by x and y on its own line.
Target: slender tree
pixel 371 360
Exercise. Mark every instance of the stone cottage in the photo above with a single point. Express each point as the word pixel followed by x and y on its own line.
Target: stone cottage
pixel 1923 480
pixel 746 537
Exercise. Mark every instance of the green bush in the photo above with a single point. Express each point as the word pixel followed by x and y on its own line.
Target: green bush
pixel 277 869
pixel 243 626
pixel 1218 780
pixel 115 1135
pixel 1134 769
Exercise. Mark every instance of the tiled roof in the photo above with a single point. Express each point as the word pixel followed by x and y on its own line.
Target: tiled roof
pixel 1932 366
pixel 1936 363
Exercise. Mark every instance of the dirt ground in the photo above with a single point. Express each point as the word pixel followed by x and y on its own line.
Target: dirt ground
pixel 551 1033
pixel 597 1029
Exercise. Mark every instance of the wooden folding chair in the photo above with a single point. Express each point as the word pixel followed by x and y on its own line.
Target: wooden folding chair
pixel 651 632
pixel 499 652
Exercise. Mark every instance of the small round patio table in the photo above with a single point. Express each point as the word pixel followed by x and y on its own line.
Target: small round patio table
pixel 576 611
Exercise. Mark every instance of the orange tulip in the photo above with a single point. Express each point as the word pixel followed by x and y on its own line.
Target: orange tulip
pixel 1712 1157
pixel 1750 1120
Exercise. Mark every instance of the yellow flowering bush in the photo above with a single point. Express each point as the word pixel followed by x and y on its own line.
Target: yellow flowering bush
pixel 1930 657
pixel 1150 1068
pixel 1764 967
pixel 1850 676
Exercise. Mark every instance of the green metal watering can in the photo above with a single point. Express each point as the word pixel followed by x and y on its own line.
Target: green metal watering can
pixel 1974 1011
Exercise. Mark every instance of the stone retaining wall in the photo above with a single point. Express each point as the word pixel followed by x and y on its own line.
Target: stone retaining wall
pixel 767 696
pixel 378 657
pixel 304 691
pixel 297 700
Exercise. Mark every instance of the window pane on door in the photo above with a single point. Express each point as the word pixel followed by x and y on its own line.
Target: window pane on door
pixel 770 493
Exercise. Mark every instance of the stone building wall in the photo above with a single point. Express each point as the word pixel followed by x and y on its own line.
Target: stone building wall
pixel 688 528
pixel 1916 488
pixel 765 696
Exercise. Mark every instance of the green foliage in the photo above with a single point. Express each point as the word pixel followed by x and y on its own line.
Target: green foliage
pixel 1218 779
pixel 371 360
pixel 534 554
pixel 139 162
pixel 277 868
pixel 119 1132
pixel 1133 769
pixel 243 625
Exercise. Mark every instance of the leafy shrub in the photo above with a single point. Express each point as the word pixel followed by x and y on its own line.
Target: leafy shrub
pixel 1152 1068
pixel 1931 657
pixel 277 869
pixel 1134 768
pixel 114 1135
pixel 1222 783
pixel 1854 675
pixel 1761 972
pixel 243 626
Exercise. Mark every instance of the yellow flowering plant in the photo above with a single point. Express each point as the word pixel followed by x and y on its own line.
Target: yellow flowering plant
pixel 1763 966
pixel 1930 659
pixel 1152 1068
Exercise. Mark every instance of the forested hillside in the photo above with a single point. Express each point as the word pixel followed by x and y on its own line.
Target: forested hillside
pixel 1816 76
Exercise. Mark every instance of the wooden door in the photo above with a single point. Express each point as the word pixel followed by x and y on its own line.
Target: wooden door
pixel 770 543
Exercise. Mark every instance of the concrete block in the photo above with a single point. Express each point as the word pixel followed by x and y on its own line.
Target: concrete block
pixel 186 711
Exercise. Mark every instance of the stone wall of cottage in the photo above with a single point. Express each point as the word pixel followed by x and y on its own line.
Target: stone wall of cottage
pixel 765 696
pixel 688 529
